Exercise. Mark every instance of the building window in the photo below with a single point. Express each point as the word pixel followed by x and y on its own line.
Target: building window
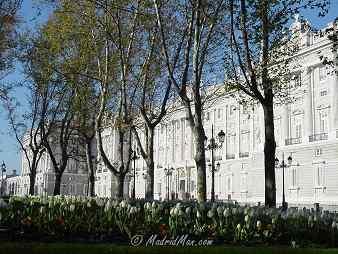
pixel 298 129
pixel 293 177
pixel 219 113
pixel 320 176
pixel 297 80
pixel 323 122
pixel 322 73
pixel 232 110
pixel 323 93
pixel 318 152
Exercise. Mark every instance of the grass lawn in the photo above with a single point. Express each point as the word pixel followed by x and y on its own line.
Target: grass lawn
pixel 67 248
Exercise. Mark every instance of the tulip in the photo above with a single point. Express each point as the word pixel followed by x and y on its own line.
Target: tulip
pixel 259 225
pixel 176 211
pixel 219 211
pixel 210 213
pixel 72 207
pixel 123 204
pixel 226 212
pixel 238 227
pixel 246 218
pixel 198 214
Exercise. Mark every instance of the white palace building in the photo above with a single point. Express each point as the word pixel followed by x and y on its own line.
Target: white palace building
pixel 306 129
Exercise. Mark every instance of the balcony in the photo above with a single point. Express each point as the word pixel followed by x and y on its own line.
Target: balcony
pixel 318 137
pixel 244 155
pixel 293 141
pixel 230 156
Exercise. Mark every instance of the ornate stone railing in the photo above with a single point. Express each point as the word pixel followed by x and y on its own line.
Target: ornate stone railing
pixel 293 141
pixel 244 154
pixel 230 156
pixel 318 137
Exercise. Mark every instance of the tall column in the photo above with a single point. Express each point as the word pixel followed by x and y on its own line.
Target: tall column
pixel 334 96
pixel 308 105
pixel 285 119
pixel 252 134
pixel 238 130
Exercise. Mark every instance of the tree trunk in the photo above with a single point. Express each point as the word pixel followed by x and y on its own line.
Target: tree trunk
pixel 32 182
pixel 32 174
pixel 200 163
pixel 57 184
pixel 150 164
pixel 269 156
pixel 120 185
pixel 90 167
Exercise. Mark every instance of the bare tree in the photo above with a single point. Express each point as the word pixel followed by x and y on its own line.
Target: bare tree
pixel 26 130
pixel 191 43
pixel 258 58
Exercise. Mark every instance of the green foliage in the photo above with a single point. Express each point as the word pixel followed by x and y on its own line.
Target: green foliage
pixel 106 219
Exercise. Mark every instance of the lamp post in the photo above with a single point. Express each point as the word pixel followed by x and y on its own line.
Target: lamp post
pixel 134 158
pixel 3 170
pixel 283 165
pixel 212 146
pixel 168 172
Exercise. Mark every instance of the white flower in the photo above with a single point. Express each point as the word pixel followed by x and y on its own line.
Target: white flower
pixel 238 227
pixel 72 207
pixel 198 214
pixel 89 204
pixel 273 221
pixel 123 204
pixel 153 205
pixel 210 213
pixel 176 211
pixel 219 211
pixel 147 206
pixel 259 224
pixel 226 212
pixel 178 205
pixel 132 210
pixel 246 218
pixel 334 225
pixel 172 212
pixel 188 210
pixel 42 209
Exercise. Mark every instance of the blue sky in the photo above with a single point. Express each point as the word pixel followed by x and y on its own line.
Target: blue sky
pixel 32 17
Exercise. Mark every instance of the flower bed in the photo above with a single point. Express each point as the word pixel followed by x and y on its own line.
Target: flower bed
pixel 108 220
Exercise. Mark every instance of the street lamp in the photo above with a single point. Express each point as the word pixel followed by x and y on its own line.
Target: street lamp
pixel 145 177
pixel 283 165
pixel 212 146
pixel 134 158
pixel 168 172
pixel 3 170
